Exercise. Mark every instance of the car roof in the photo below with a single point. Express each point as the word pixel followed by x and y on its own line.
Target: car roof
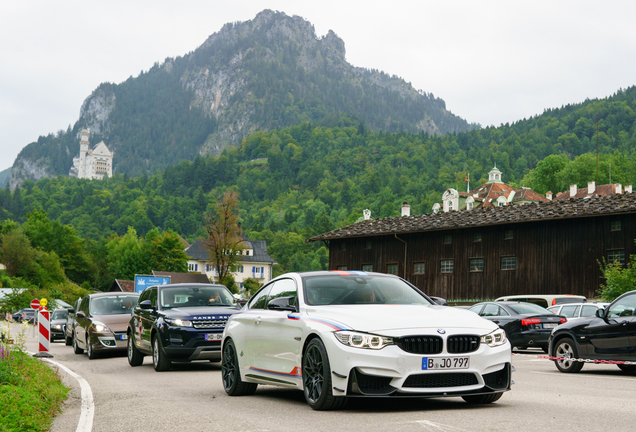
pixel 110 293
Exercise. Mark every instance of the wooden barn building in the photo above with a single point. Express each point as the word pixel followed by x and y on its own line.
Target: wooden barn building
pixel 551 247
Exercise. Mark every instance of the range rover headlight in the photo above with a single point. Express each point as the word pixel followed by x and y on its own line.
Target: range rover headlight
pixel 100 327
pixel 178 322
pixel 363 340
pixel 496 338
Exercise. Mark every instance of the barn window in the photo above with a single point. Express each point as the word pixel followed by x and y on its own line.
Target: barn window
pixel 448 239
pixel 392 269
pixel 367 267
pixel 476 265
pixel 343 246
pixel 477 237
pixel 368 245
pixel 508 263
pixel 418 268
pixel 616 256
pixel 615 226
pixel 447 266
pixel 508 235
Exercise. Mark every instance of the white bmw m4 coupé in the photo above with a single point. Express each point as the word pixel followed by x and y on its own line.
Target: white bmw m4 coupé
pixel 341 334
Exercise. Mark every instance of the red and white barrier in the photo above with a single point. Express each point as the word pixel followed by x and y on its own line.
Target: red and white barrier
pixel 44 333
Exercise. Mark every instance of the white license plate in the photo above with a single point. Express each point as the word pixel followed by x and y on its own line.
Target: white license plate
pixel 550 325
pixel 445 363
pixel 213 336
pixel 123 337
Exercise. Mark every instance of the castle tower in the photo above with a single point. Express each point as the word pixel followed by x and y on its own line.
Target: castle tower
pixel 85 134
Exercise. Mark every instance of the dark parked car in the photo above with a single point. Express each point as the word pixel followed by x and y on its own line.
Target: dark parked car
pixel 609 335
pixel 58 323
pixel 179 322
pixel 69 328
pixel 27 314
pixel 101 321
pixel 526 324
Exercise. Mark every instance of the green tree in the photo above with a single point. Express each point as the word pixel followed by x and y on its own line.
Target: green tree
pixel 619 278
pixel 166 252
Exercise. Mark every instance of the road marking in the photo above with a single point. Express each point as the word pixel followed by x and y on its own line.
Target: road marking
pixel 605 377
pixel 438 427
pixel 87 411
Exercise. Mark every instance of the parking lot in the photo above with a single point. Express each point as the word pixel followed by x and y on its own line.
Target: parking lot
pixel 192 397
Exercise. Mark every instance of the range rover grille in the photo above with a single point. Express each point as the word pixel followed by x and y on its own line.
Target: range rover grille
pixel 209 324
pixel 462 344
pixel 421 344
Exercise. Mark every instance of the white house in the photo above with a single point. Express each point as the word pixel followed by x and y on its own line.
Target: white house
pixel 254 263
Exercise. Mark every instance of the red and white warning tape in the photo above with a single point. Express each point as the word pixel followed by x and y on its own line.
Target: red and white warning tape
pixel 619 362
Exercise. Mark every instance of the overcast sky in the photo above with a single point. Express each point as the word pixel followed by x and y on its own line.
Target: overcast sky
pixel 491 61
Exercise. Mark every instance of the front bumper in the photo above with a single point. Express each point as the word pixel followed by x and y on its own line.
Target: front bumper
pixel 394 372
pixel 188 344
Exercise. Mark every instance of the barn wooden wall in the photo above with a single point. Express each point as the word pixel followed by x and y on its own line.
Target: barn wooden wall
pixel 553 257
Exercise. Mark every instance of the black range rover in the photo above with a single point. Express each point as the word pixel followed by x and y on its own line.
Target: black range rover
pixel 179 322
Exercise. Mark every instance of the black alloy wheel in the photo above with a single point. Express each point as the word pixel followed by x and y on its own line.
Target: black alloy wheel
pixel 566 351
pixel 159 359
pixel 135 357
pixel 90 350
pixel 483 399
pixel 76 348
pixel 317 378
pixel 231 374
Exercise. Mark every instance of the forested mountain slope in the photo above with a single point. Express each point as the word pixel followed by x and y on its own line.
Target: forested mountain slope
pixel 305 180
pixel 268 73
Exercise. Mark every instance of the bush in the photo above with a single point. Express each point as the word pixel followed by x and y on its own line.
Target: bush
pixel 618 279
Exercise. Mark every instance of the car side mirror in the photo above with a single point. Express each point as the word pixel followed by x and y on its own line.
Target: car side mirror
pixel 439 301
pixel 146 304
pixel 283 304
pixel 241 302
pixel 600 313
pixel 80 314
pixel 71 310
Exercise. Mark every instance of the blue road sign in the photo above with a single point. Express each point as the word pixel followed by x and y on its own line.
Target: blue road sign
pixel 143 281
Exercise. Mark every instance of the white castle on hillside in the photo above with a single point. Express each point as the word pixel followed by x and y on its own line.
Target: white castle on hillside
pixel 94 163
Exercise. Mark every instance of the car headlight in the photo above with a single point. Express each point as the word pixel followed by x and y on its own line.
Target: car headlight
pixel 496 338
pixel 100 327
pixel 178 322
pixel 57 326
pixel 363 340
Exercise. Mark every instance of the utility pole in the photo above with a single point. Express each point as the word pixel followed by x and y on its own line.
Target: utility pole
pixel 596 148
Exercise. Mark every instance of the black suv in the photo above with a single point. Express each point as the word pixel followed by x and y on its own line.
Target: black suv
pixel 608 336
pixel 179 322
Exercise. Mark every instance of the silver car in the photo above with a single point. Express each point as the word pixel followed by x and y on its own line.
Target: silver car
pixel 574 311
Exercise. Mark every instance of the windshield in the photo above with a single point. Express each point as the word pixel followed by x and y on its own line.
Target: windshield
pixel 112 305
pixel 528 308
pixel 59 314
pixel 187 296
pixel 337 290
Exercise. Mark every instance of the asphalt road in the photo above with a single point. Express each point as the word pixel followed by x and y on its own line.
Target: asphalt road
pixel 191 398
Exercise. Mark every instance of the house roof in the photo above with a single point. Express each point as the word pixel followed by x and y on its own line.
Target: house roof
pixel 488 193
pixel 534 211
pixel 123 285
pixel 602 190
pixel 198 251
pixel 183 277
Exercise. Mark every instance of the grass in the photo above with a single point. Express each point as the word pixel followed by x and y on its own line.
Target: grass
pixel 31 393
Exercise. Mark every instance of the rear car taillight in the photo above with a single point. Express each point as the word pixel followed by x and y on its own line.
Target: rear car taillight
pixel 564 320
pixel 529 321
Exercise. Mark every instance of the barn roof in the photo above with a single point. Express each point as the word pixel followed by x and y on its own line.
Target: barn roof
pixel 535 211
